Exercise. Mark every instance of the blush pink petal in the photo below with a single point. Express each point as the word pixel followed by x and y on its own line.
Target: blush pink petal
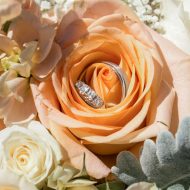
pixel 35 30
pixel 48 52
pixel 42 70
pixel 19 111
pixel 9 10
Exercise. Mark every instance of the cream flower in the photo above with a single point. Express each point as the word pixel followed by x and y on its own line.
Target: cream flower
pixel 176 22
pixel 185 13
pixel 30 151
pixel 69 178
pixel 11 181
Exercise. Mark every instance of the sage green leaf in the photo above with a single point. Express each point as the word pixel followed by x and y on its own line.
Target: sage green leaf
pixel 176 187
pixel 166 162
pixel 129 171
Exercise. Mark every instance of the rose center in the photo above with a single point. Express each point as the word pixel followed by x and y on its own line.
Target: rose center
pixel 105 82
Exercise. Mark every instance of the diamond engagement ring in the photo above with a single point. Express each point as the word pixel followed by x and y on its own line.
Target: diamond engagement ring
pixel 91 97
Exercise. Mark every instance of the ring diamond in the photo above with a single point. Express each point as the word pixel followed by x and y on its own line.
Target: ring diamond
pixel 91 97
pixel 88 95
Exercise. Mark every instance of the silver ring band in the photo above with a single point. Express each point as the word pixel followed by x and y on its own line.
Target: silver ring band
pixel 90 96
pixel 121 75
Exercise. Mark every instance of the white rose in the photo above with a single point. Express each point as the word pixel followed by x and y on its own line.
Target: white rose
pixel 11 181
pixel 29 151
pixel 185 13
pixel 176 22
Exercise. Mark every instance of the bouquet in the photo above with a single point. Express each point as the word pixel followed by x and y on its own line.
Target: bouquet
pixel 94 94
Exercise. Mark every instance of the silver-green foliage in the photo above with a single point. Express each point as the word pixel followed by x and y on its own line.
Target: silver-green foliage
pixel 166 162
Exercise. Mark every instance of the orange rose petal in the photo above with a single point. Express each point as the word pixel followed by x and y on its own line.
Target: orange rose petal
pixel 2 126
pixel 72 149
pixel 98 8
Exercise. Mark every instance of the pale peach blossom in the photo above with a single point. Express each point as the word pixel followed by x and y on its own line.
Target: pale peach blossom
pixel 157 71
pixel 9 10
pixel 28 49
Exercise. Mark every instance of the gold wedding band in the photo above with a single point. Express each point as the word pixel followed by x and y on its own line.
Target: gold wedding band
pixel 91 97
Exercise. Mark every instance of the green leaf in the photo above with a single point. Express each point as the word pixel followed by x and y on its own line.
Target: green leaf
pixel 83 173
pixel 114 185
pixel 166 162
pixel 176 187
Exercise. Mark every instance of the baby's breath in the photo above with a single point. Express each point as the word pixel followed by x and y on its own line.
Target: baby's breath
pixel 149 11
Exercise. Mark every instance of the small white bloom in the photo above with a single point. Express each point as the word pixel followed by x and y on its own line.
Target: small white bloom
pixel 154 19
pixel 45 5
pixel 140 9
pixel 148 9
pixel 145 2
pixel 29 151
pixel 157 11
pixel 12 181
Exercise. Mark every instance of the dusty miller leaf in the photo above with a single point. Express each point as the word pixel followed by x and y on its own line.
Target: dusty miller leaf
pixel 166 162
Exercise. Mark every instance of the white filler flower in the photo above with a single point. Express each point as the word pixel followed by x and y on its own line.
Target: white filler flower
pixel 31 152
pixel 12 181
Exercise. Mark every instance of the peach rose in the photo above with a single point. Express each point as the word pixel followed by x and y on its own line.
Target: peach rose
pixel 107 30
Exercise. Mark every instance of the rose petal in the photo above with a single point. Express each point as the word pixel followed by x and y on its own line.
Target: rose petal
pixel 176 73
pixel 72 147
pixel 72 28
